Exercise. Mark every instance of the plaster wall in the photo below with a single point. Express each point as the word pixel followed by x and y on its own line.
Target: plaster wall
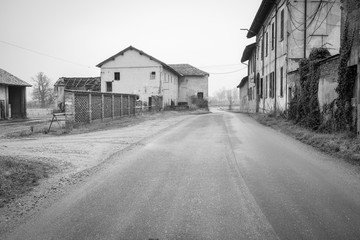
pixel 135 77
pixel 243 95
pixel 328 81
pixel 191 85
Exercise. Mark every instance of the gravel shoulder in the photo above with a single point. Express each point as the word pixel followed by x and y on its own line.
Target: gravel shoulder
pixel 74 156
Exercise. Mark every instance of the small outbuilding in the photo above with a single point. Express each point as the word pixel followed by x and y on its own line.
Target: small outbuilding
pixel 243 94
pixel 192 82
pixel 12 96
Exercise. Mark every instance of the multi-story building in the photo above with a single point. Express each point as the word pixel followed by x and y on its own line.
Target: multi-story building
pixel 136 72
pixel 286 31
pixel 350 28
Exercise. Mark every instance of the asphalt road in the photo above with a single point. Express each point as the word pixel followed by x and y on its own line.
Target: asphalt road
pixel 213 176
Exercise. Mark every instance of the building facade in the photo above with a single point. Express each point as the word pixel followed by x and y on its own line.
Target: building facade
pixel 249 55
pixel 286 31
pixel 192 82
pixel 350 20
pixel 243 94
pixel 133 71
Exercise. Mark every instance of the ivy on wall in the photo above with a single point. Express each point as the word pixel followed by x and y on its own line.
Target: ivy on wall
pixel 304 107
pixel 343 113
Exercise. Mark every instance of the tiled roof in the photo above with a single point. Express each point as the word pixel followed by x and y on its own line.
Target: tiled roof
pixel 80 83
pixel 141 53
pixel 9 79
pixel 188 70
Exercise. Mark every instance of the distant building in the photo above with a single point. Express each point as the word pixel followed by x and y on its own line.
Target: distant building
pixel 12 96
pixel 79 83
pixel 133 71
pixel 243 94
pixel 249 55
pixel 193 82
pixel 74 83
pixel 286 32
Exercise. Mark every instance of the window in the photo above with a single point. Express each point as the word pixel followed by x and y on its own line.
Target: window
pixel 266 86
pixel 281 82
pixel 282 25
pixel 200 95
pixel 262 48
pixel 117 76
pixel 272 85
pixel 152 75
pixel 267 44
pixel 109 86
pixel 272 36
pixel 261 87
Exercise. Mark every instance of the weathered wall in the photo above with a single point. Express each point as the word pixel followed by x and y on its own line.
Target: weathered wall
pixel 351 11
pixel 169 87
pixel 135 76
pixel 328 81
pixel 4 100
pixel 323 27
pixel 2 92
pixel 243 95
pixel 191 85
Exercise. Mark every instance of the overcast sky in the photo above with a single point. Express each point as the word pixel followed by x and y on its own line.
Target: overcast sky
pixel 67 38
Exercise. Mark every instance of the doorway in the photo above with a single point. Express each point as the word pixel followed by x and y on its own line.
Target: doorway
pixel 17 102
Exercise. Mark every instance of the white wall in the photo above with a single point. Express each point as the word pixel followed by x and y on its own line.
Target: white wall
pixel 191 85
pixel 135 70
pixel 2 92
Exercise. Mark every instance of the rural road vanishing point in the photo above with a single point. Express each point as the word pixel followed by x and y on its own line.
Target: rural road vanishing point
pixel 212 176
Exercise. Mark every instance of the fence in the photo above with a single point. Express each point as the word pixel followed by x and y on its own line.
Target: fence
pixel 86 107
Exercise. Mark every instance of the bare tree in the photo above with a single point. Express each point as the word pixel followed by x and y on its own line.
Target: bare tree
pixel 42 91
pixel 230 98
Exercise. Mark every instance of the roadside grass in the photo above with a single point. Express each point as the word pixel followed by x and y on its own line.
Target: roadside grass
pixel 18 177
pixel 343 145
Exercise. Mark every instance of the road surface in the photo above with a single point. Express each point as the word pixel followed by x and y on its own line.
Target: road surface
pixel 213 176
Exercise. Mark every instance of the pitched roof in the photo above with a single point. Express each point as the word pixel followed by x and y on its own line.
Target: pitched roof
pixel 141 53
pixel 243 82
pixel 188 70
pixel 247 52
pixel 9 79
pixel 80 83
pixel 262 13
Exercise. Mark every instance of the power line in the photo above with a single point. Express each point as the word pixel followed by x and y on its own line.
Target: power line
pixel 44 54
pixel 238 70
pixel 225 65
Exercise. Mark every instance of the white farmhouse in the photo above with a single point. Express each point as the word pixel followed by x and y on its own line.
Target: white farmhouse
pixel 135 72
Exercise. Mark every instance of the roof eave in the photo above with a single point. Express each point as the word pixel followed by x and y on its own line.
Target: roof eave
pixel 247 52
pixel 262 13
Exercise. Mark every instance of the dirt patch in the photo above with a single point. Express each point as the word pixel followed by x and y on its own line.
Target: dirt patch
pixel 19 176
pixel 342 145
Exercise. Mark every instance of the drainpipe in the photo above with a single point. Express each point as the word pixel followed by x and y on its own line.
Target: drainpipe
pixel 275 79
pixel 305 23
